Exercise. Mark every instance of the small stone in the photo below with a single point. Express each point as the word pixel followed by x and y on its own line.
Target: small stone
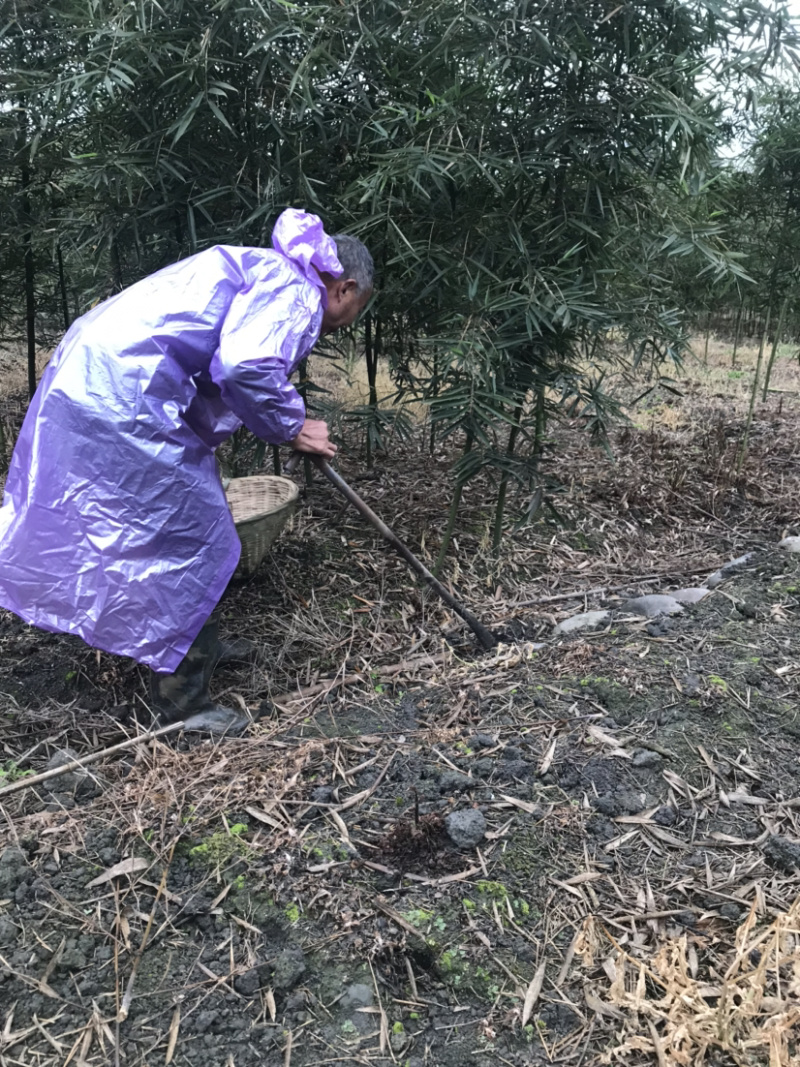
pixel 584 621
pixel 483 767
pixel 13 869
pixel 516 769
pixel 646 758
pixel 75 782
pixel 511 752
pixel 358 995
pixel 665 816
pixel 466 829
pixel 731 911
pixel 288 968
pixel 323 794
pixel 652 606
pixel 782 853
pixel 455 782
pixel 481 741
pixel 690 684
pixel 733 566
pixel 632 803
pixel 790 544
pixel 72 959
pixel 690 596
pixel 8 931
pixel 695 859
pixel 247 984
pixel 606 805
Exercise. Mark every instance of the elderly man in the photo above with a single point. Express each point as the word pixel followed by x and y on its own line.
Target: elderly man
pixel 114 524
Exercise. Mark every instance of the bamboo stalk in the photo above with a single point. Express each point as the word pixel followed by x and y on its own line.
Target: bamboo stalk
pixel 753 394
pixel 775 343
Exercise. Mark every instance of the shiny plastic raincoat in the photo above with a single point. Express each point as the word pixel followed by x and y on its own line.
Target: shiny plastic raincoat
pixel 114 523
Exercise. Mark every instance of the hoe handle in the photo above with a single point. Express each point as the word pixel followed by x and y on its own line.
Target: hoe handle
pixel 484 635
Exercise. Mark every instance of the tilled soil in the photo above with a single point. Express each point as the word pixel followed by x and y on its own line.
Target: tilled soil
pixel 297 896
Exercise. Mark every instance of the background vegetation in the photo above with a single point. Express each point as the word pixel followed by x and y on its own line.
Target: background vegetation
pixel 551 190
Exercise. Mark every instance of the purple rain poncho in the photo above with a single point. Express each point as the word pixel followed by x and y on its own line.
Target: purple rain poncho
pixel 114 524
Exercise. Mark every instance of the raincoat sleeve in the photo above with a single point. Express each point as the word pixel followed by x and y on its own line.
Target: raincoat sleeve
pixel 269 327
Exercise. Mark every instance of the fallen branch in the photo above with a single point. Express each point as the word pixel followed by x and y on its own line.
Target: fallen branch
pixel 91 757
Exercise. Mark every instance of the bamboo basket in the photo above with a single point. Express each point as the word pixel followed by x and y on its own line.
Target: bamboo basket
pixel 261 506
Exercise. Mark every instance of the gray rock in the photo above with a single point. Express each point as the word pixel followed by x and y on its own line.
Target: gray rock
pixel 466 829
pixel 288 968
pixel 731 911
pixel 665 816
pixel 733 566
pixel 631 803
pixel 606 805
pixel 323 794
pixel 72 959
pixel 13 869
pixel 646 758
pixel 585 621
pixel 516 769
pixel 358 995
pixel 454 782
pixel 690 596
pixel 511 752
pixel 76 782
pixel 653 605
pixel 790 544
pixel 248 984
pixel 782 853
pixel 8 931
pixel 481 741
pixel 690 683
pixel 483 767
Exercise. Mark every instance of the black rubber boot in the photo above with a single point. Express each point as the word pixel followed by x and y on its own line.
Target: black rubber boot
pixel 237 650
pixel 184 694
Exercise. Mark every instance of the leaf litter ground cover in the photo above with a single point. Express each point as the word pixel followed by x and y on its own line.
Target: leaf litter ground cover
pixel 294 896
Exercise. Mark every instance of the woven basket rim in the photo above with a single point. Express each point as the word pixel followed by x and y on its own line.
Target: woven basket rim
pixel 292 495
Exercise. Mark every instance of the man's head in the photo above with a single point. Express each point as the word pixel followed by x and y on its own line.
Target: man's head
pixel 348 294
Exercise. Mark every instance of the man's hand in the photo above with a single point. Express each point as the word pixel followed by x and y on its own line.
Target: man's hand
pixel 314 438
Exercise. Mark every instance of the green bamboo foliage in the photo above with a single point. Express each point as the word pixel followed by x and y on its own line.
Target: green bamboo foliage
pixel 531 177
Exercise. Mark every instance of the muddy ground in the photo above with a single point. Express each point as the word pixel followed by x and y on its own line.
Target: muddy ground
pixel 580 853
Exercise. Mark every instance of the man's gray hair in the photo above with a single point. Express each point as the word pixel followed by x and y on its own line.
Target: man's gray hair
pixel 356 261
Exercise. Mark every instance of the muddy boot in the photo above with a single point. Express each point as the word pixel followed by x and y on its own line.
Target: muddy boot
pixel 184 694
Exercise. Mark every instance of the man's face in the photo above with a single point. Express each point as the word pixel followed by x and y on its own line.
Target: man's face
pixel 345 304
